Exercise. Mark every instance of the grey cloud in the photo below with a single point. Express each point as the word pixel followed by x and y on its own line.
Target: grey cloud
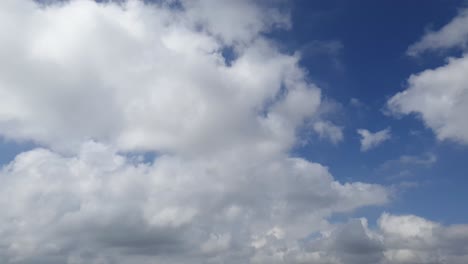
pixel 397 239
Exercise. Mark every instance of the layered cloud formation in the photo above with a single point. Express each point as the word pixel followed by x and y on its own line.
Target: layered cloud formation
pixel 97 86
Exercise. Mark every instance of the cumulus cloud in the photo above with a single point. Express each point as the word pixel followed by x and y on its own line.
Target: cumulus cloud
pixel 97 85
pixel 148 76
pixel 397 239
pixel 440 96
pixel 411 239
pixel 371 140
pixel 454 34
pixel 103 205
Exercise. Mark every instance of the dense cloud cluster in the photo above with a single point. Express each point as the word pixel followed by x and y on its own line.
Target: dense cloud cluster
pixel 145 77
pixel 99 85
pixel 102 207
pixel 103 204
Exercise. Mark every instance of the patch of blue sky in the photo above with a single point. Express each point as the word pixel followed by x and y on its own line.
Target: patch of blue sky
pixel 368 40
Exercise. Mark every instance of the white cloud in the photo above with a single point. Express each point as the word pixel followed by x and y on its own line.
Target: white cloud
pixel 454 34
pixel 101 204
pixel 371 140
pixel 95 84
pixel 225 22
pixel 440 98
pixel 408 226
pixel 329 131
pixel 412 239
pixel 146 77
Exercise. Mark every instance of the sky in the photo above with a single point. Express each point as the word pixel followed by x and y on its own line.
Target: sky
pixel 249 131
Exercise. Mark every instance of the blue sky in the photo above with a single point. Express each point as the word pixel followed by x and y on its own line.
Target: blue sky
pixel 373 38
pixel 233 131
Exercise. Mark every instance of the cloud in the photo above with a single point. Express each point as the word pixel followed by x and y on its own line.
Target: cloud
pixel 397 239
pixel 440 98
pixel 329 131
pixel 411 239
pixel 148 76
pixel 97 85
pixel 103 205
pixel 225 23
pixel 371 140
pixel 454 34
pixel 426 160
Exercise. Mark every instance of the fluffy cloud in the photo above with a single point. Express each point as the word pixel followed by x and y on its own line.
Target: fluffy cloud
pixel 103 206
pixel 99 206
pixel 148 76
pixel 440 96
pixel 371 140
pixel 99 84
pixel 411 239
pixel 398 239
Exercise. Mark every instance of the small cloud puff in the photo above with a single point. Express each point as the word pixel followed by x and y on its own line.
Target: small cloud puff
pixel 371 140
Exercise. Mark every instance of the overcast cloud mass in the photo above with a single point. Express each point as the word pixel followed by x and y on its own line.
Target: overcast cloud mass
pixel 97 86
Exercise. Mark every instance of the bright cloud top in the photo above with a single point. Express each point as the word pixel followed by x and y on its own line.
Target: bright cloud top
pixel 371 140
pixel 144 77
